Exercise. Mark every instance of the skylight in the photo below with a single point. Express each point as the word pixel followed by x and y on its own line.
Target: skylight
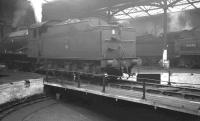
pixel 139 11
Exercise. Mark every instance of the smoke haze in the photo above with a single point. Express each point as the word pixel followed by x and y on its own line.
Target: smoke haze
pixel 20 12
pixel 179 21
pixel 22 7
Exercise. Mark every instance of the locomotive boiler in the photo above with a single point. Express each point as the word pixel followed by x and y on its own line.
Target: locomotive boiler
pixel 90 45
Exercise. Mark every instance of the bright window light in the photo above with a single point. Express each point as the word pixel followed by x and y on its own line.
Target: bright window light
pixel 138 14
pixel 140 11
pixel 156 11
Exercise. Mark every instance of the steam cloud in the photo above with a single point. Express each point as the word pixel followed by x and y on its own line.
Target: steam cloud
pixel 37 7
pixel 179 21
pixel 21 9
pixel 153 28
pixel 23 5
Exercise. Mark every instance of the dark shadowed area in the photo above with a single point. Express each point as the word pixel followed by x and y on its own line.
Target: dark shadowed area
pixel 16 13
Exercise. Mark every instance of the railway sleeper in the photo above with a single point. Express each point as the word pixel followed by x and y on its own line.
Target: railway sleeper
pixel 114 85
pixel 192 96
pixel 154 91
pixel 126 87
pixel 174 94
pixel 137 88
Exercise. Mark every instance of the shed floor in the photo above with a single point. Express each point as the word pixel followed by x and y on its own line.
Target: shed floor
pixel 9 76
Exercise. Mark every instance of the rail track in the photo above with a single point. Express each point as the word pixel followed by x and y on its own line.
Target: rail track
pixel 77 78
pixel 185 93
pixel 10 107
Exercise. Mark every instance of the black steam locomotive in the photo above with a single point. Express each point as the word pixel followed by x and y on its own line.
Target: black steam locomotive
pixel 183 48
pixel 90 45
pixel 94 46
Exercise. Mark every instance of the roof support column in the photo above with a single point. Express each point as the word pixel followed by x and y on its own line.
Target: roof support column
pixel 165 28
pixel 166 62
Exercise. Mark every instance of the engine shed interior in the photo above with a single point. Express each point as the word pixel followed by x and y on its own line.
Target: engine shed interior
pixel 145 52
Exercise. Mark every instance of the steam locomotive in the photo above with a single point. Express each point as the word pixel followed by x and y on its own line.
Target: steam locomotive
pixel 90 45
pixel 93 46
pixel 183 48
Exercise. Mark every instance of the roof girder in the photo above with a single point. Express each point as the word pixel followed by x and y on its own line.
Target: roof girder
pixel 159 5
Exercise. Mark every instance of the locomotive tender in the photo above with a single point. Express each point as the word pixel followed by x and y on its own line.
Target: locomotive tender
pixel 90 45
